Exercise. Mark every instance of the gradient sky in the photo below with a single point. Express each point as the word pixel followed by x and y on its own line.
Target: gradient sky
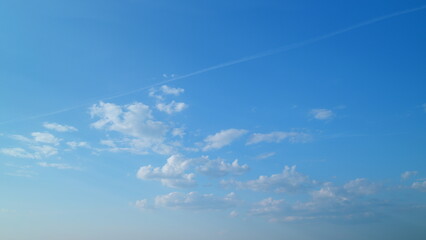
pixel 155 119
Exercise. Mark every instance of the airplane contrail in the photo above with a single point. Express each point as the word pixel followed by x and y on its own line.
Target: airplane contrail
pixel 244 59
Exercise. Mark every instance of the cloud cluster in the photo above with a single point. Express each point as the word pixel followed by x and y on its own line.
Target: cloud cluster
pixel 196 201
pixel 172 174
pixel 134 121
pixel 289 180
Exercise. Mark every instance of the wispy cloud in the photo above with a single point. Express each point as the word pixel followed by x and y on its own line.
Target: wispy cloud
pixel 278 137
pixel 222 138
pixel 322 114
pixel 59 128
pixel 61 166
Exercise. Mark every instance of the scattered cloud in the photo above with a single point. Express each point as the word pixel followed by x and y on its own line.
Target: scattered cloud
pixel 361 186
pixel 17 152
pixel 45 137
pixel 59 128
pixel 74 145
pixel 265 155
pixel 135 121
pixel 37 153
pixel 171 91
pixel 61 166
pixel 178 132
pixel 421 186
pixel 288 181
pixel 222 138
pixel 159 93
pixel 322 114
pixel 220 168
pixel 408 174
pixel 142 204
pixel 172 174
pixel 277 137
pixel 267 206
pixel 172 107
pixel 196 201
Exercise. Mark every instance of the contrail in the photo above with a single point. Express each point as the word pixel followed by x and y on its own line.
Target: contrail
pixel 244 59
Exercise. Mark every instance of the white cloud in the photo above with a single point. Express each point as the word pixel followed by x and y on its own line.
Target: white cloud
pixel 44 151
pixel 222 138
pixel 322 114
pixel 74 144
pixel 360 186
pixel 265 155
pixel 278 137
pixel 408 174
pixel 142 204
pixel 60 166
pixel 134 120
pixel 38 152
pixel 233 214
pixel 172 174
pixel 288 181
pixel 421 186
pixel 171 91
pixel 178 132
pixel 219 168
pixel 21 138
pixel 58 127
pixel 268 205
pixel 44 137
pixel 172 107
pixel 195 201
pixel 17 152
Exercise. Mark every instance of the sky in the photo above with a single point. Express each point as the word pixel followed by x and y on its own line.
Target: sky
pixel 143 119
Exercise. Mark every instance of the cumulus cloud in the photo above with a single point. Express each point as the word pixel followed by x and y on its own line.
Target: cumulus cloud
pixel 172 174
pixel 59 128
pixel 322 114
pixel 408 174
pixel 135 121
pixel 171 91
pixel 220 168
pixel 421 186
pixel 361 186
pixel 45 137
pixel 288 181
pixel 172 107
pixel 159 93
pixel 278 137
pixel 330 202
pixel 267 206
pixel 222 138
pixel 195 201
pixel 61 166
pixel 142 204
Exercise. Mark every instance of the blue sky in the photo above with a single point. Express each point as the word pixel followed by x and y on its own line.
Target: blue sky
pixel 212 119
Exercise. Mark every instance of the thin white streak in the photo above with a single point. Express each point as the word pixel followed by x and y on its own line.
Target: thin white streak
pixel 241 60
